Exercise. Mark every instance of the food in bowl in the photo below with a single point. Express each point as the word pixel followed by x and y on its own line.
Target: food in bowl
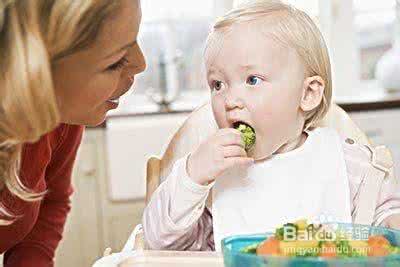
pixel 302 239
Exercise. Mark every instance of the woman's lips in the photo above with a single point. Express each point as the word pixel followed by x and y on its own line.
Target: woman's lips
pixel 113 103
pixel 115 100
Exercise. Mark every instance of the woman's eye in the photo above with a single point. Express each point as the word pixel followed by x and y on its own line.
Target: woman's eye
pixel 120 64
pixel 217 85
pixel 253 80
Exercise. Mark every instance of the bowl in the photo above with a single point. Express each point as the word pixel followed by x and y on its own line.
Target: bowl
pixel 233 257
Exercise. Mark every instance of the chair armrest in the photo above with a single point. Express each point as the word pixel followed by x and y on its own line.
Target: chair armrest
pixel 135 240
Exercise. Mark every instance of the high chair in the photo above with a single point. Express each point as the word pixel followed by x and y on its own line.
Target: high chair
pixel 201 124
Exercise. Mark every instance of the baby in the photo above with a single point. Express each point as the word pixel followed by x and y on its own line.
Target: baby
pixel 268 68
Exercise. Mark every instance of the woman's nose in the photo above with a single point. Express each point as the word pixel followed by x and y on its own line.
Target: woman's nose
pixel 141 61
pixel 136 59
pixel 137 64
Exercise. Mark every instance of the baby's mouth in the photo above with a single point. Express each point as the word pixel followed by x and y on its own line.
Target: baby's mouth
pixel 248 133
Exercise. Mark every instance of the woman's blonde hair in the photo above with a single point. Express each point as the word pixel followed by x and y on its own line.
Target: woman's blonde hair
pixel 293 28
pixel 33 35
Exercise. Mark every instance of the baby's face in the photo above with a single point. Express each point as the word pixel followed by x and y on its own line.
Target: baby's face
pixel 257 80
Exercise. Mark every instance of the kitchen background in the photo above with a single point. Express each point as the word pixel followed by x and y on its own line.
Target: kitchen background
pixel 363 37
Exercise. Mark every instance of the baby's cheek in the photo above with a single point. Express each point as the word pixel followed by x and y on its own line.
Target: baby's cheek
pixel 218 107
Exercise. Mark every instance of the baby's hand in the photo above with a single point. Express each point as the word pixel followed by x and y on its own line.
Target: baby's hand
pixel 218 153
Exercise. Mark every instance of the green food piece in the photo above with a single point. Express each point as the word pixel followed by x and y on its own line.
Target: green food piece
pixel 248 135
pixel 309 252
pixel 279 232
pixel 251 249
pixel 394 250
pixel 343 248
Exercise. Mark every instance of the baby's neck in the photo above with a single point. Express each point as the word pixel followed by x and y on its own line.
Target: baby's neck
pixel 293 144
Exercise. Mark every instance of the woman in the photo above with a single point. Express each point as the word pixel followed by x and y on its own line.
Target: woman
pixel 64 64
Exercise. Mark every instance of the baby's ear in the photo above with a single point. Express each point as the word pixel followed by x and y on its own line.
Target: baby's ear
pixel 313 91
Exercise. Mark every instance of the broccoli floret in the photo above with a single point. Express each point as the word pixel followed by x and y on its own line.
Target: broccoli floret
pixel 343 248
pixel 279 232
pixel 308 252
pixel 394 250
pixel 248 135
pixel 251 249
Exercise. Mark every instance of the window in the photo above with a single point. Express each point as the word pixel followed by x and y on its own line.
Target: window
pixel 156 10
pixel 174 31
pixel 357 32
pixel 373 28
pixel 309 6
pixel 360 30
pixel 374 23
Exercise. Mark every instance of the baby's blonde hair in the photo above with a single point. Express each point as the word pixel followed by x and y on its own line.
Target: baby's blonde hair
pixel 33 35
pixel 293 28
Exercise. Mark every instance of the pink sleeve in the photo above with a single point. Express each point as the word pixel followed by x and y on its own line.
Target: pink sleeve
pixel 358 161
pixel 176 217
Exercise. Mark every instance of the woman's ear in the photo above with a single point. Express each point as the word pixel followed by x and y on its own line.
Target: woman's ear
pixel 313 91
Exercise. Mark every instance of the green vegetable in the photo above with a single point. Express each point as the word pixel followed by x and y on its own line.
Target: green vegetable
pixel 308 252
pixel 394 250
pixel 250 249
pixel 343 248
pixel 248 135
pixel 279 232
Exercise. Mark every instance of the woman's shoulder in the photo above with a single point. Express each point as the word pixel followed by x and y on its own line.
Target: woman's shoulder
pixel 65 133
pixel 57 145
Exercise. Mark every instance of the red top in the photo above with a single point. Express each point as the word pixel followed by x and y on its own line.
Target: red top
pixel 45 165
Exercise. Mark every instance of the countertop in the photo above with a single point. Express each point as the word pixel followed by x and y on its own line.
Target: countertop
pixel 371 97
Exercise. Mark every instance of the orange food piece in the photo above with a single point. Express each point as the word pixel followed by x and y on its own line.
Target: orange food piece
pixel 378 246
pixel 328 250
pixel 378 241
pixel 378 251
pixel 269 247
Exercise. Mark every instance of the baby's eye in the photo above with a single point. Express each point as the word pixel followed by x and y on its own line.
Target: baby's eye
pixel 217 85
pixel 253 80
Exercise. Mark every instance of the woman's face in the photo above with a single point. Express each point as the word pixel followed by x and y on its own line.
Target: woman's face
pixel 89 82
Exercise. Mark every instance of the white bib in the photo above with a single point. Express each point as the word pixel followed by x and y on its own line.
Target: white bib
pixel 308 182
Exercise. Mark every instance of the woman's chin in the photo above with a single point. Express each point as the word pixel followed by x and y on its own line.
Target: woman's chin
pixel 95 120
pixel 101 114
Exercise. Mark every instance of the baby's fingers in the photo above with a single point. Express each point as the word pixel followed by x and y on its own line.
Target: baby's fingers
pixel 238 161
pixel 231 138
pixel 234 151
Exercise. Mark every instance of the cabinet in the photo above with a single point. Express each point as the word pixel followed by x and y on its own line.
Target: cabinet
pixel 83 240
pixel 96 220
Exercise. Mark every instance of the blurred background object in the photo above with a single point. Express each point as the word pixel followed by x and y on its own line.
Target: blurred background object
pixel 388 68
pixel 358 34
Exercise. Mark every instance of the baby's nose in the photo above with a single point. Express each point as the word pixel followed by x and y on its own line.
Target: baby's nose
pixel 232 102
